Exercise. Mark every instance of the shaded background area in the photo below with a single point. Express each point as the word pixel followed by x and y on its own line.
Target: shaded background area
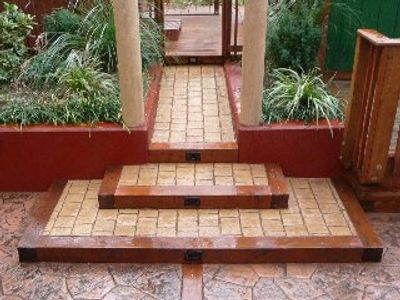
pixel 346 16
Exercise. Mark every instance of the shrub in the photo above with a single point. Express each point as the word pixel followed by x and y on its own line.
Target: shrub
pixel 96 36
pixel 81 75
pixel 99 28
pixel 49 110
pixel 61 21
pixel 15 27
pixel 294 35
pixel 304 96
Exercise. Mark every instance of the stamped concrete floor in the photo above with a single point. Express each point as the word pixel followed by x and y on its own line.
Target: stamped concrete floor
pixel 314 210
pixel 193 106
pixel 368 281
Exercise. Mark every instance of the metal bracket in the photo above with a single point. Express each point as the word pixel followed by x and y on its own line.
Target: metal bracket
pixel 193 156
pixel 191 201
pixel 193 256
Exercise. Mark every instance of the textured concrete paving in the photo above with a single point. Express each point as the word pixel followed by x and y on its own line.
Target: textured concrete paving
pixel 268 281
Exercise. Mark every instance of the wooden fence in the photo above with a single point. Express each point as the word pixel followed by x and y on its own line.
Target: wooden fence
pixel 346 16
pixel 372 111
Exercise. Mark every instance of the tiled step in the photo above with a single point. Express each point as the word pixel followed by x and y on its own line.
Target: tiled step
pixel 189 185
pixel 194 152
pixel 324 223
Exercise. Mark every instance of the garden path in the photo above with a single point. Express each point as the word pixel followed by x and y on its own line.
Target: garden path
pixel 193 106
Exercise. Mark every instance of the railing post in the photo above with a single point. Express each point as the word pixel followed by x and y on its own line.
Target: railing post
pixel 126 13
pixel 255 26
pixel 371 113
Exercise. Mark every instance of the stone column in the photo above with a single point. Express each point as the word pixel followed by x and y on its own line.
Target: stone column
pixel 126 14
pixel 254 33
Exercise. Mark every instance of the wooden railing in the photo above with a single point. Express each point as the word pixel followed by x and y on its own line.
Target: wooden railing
pixel 372 111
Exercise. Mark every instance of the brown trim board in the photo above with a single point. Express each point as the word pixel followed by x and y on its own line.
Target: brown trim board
pixel 36 247
pixel 373 247
pixel 192 282
pixel 208 152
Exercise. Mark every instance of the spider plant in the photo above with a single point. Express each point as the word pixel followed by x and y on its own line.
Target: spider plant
pixel 299 96
pixel 81 74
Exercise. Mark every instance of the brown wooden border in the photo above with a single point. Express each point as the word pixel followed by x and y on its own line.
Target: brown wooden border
pixel 192 282
pixel 377 198
pixel 274 195
pixel 373 247
pixel 194 60
pixel 36 247
pixel 210 152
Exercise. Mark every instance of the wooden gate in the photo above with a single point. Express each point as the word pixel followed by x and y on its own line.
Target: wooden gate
pixel 371 118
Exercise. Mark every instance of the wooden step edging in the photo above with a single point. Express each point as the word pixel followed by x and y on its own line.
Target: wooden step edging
pixel 34 246
pixel 223 152
pixel 274 195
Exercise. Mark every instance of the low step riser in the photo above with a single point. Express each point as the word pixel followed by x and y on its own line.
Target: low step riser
pixel 182 256
pixel 272 195
pixel 194 202
pixel 186 153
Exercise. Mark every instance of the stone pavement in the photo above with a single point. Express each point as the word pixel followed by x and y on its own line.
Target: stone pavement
pixel 132 281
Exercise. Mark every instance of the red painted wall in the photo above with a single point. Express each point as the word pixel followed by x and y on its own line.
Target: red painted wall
pixel 31 159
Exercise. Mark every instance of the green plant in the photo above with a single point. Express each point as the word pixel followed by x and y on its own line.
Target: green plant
pixel 99 28
pixel 294 35
pixel 15 27
pixel 61 21
pixel 304 96
pixel 82 75
pixel 95 36
pixel 39 71
pixel 46 109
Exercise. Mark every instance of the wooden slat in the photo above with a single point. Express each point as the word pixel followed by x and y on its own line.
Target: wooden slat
pixel 367 102
pixel 192 282
pixel 396 170
pixel 355 110
pixel 382 117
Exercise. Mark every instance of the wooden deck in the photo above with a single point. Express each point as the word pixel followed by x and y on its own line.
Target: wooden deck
pixel 201 36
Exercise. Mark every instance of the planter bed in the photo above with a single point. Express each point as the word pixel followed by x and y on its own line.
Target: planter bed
pixel 32 157
pixel 301 150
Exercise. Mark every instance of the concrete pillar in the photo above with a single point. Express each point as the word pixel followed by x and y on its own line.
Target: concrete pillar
pixel 126 14
pixel 254 33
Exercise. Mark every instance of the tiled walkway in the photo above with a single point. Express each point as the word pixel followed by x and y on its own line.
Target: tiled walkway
pixel 193 106
pixel 314 210
pixel 366 281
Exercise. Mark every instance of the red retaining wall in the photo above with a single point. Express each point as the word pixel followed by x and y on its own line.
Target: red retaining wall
pixel 302 151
